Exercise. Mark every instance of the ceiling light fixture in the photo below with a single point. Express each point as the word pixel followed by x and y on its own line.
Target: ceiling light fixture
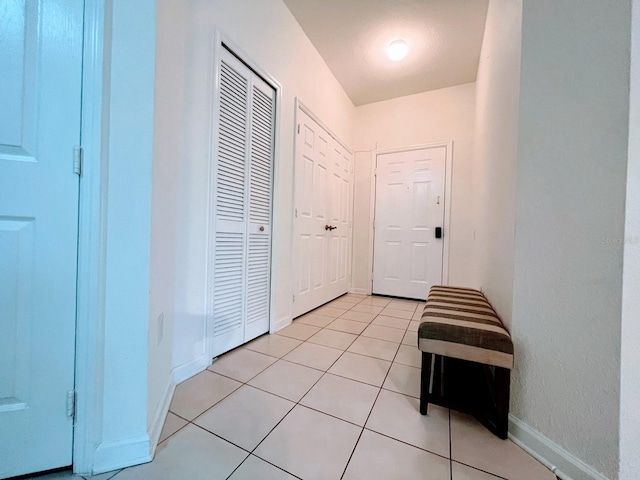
pixel 397 50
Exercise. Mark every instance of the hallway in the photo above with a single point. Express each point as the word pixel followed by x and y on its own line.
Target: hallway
pixel 294 404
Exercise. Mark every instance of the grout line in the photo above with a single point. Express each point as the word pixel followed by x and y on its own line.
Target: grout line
pixel 479 470
pixel 450 450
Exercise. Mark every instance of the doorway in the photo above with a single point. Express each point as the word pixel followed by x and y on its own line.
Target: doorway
pixel 411 220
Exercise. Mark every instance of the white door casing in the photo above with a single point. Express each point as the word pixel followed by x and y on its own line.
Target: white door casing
pixel 242 176
pixel 409 205
pixel 41 62
pixel 322 216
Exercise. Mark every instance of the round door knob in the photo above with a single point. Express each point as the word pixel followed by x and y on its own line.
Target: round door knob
pixel 262 228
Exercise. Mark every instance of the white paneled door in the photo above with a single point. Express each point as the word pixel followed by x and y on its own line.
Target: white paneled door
pixel 322 223
pixel 409 208
pixel 40 61
pixel 240 296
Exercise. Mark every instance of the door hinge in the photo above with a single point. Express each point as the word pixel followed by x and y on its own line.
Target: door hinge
pixel 294 298
pixel 298 128
pixel 296 212
pixel 71 404
pixel 77 160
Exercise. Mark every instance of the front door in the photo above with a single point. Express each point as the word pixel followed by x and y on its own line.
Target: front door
pixel 40 87
pixel 407 257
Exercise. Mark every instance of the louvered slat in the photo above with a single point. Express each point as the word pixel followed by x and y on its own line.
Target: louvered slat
pixel 230 191
pixel 258 278
pixel 261 154
pixel 228 281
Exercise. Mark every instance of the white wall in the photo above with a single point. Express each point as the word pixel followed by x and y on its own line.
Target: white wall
pixel 436 116
pixel 496 148
pixel 630 357
pixel 170 36
pixel 269 36
pixel 571 178
pixel 121 436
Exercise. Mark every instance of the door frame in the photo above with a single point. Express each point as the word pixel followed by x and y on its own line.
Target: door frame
pixel 299 105
pixel 447 204
pixel 218 38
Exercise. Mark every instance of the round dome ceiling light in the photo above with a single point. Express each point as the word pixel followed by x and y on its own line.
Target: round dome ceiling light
pixel 397 50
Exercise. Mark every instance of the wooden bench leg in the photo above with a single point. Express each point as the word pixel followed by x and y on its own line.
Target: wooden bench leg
pixel 425 379
pixel 503 383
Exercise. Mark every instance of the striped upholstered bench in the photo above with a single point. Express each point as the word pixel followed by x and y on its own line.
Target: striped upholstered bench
pixel 459 323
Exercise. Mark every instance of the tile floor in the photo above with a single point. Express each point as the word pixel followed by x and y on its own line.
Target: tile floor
pixel 332 396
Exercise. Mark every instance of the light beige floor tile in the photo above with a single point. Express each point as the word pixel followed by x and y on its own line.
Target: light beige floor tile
pixel 191 453
pixel 273 345
pixel 367 308
pixel 413 326
pixel 172 424
pixel 201 392
pixel 384 333
pixel 380 457
pixel 393 322
pixel 358 316
pixel 241 364
pixel 310 444
pixel 254 468
pixel 245 417
pixel 361 368
pixel 286 379
pixel 359 296
pixel 374 347
pixel 330 311
pixel 350 299
pixel 410 338
pixel 409 355
pixel 418 313
pixel 314 319
pixel 398 416
pixel 474 445
pixel 403 379
pixel 394 312
pixel 299 331
pixel 376 301
pixel 333 339
pixel 462 472
pixel 312 355
pixel 343 398
pixel 341 304
pixel 100 476
pixel 348 326
pixel 408 305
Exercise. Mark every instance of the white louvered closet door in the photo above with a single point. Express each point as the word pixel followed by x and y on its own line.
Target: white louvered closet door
pixel 243 179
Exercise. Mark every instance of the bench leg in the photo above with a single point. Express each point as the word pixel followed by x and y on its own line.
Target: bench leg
pixel 503 383
pixel 425 379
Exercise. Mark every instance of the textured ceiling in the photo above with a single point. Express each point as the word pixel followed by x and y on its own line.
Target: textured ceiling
pixel 444 37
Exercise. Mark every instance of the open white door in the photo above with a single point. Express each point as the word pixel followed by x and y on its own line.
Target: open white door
pixel 40 61
pixel 410 205
pixel 322 223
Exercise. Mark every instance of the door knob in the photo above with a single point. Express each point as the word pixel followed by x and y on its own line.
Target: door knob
pixel 329 227
pixel 261 228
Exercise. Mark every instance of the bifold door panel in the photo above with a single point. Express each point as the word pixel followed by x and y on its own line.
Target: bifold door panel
pixel 242 210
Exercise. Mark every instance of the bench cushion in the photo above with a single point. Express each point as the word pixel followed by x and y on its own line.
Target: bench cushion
pixel 460 323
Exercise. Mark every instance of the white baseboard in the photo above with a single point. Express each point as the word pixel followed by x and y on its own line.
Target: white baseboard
pixel 187 370
pixel 361 291
pixel 160 414
pixel 281 323
pixel 565 465
pixel 111 456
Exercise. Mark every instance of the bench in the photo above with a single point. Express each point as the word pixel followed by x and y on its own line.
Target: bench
pixel 470 354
